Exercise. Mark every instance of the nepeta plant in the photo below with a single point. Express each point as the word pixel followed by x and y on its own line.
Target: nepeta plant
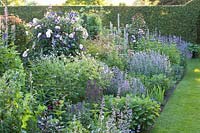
pixel 120 85
pixel 149 63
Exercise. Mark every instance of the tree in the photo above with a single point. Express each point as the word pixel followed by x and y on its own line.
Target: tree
pixel 14 2
pixel 85 2
pixel 146 2
pixel 172 2
pixel 160 2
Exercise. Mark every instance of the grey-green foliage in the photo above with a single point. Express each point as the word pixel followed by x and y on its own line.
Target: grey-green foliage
pixel 57 78
pixel 149 63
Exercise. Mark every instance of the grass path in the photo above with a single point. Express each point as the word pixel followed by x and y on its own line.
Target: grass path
pixel 182 112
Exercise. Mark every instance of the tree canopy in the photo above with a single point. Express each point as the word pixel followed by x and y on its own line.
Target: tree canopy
pixel 85 2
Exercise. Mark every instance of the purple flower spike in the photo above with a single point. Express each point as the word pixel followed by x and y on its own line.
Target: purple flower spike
pixel 5 36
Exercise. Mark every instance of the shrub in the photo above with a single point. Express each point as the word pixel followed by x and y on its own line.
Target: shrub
pixel 149 64
pixel 16 108
pixel 165 49
pixel 57 78
pixel 137 29
pixel 16 32
pixel 160 80
pixel 104 50
pixel 9 59
pixel 93 24
pixel 195 49
pixel 58 34
pixel 144 110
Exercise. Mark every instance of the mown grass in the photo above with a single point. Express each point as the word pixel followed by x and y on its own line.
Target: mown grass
pixel 182 112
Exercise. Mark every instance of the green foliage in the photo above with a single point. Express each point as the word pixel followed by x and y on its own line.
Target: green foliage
pixel 156 93
pixel 93 24
pixel 15 107
pixel 9 59
pixel 14 2
pixel 145 111
pixel 17 33
pixel 104 50
pixel 160 80
pixel 169 50
pixel 173 2
pixel 137 29
pixel 75 126
pixel 195 49
pixel 85 2
pixel 165 19
pixel 56 78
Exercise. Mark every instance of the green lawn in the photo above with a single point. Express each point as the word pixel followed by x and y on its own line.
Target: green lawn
pixel 182 112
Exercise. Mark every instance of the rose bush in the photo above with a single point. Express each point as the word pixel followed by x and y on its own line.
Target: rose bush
pixel 58 33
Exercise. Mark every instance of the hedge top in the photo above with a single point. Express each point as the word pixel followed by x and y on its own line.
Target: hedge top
pixel 176 20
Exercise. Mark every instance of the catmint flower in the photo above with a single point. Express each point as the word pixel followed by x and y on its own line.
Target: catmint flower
pixel 39 34
pixel 25 54
pixel 5 36
pixel 48 33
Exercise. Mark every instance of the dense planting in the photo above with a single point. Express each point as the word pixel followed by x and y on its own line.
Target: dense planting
pixel 75 76
pixel 163 18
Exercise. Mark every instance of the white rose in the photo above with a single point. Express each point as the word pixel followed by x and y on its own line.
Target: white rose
pixel 25 54
pixel 39 34
pixel 37 26
pixel 72 35
pixel 85 34
pixel 35 21
pixel 57 27
pixel 81 46
pixel 48 33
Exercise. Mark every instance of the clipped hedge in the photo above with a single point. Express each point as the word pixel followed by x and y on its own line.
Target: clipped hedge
pixel 176 20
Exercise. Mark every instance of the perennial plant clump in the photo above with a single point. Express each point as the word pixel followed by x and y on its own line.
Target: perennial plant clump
pixel 149 63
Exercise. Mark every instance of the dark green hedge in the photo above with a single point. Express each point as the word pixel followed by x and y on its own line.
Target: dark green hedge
pixel 175 20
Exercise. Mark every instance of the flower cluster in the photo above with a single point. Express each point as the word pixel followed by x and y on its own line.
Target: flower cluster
pixel 60 33
pixel 149 63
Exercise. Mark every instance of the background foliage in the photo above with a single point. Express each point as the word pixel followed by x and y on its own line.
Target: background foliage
pixel 166 19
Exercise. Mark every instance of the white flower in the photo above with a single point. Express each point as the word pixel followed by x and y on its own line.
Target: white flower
pixel 26 33
pixel 48 33
pixel 57 27
pixel 81 46
pixel 39 34
pixel 61 38
pixel 25 54
pixel 72 35
pixel 85 34
pixel 35 21
pixel 37 26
